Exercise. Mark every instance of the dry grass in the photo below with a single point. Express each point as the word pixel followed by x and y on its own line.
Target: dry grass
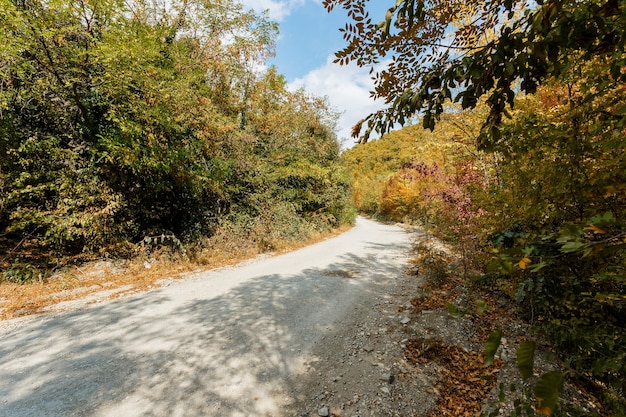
pixel 119 277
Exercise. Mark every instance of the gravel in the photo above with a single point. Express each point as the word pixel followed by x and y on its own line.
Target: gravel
pixel 319 331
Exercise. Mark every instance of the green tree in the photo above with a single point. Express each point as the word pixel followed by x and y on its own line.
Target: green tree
pixel 561 250
pixel 296 165
pixel 126 119
pixel 120 93
pixel 549 211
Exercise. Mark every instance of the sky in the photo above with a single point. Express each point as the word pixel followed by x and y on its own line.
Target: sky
pixel 309 37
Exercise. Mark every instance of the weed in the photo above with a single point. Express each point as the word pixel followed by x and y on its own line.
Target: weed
pixel 433 260
pixel 20 272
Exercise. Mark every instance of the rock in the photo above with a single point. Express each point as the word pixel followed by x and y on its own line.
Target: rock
pixel 323 412
pixel 368 349
pixel 405 320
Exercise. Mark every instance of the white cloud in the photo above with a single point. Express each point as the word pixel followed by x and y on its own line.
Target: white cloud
pixel 348 91
pixel 278 9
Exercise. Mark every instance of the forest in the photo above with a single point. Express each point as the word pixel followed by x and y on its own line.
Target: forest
pixel 126 127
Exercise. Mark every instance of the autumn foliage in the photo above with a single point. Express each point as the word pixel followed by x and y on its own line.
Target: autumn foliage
pixel 539 218
pixel 532 189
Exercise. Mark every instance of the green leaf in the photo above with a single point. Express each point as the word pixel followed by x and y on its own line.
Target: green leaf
pixel 570 247
pixel 570 233
pixel 547 390
pixel 481 306
pixel 605 219
pixel 492 345
pixel 454 311
pixel 525 359
pixel 507 266
pixel 538 266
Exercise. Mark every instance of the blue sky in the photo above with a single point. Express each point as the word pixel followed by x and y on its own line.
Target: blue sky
pixel 309 37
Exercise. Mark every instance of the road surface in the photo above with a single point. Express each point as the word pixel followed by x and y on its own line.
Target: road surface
pixel 240 341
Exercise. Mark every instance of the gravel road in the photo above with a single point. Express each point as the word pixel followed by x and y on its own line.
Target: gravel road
pixel 308 333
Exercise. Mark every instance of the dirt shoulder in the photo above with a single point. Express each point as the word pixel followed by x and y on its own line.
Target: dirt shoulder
pixel 421 352
pixel 79 284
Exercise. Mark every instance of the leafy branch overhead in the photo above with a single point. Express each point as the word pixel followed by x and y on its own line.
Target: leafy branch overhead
pixel 443 50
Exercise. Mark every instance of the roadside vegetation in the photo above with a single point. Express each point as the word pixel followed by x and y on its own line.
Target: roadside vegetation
pixel 151 137
pixel 520 169
pixel 512 228
pixel 133 129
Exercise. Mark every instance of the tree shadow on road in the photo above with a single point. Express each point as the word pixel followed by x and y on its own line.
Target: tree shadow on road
pixel 247 352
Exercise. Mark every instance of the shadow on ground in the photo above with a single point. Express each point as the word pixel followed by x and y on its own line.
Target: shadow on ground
pixel 245 352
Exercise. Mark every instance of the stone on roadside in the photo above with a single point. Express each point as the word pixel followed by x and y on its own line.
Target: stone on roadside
pixel 323 412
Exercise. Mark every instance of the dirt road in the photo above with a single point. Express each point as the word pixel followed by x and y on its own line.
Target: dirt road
pixel 285 335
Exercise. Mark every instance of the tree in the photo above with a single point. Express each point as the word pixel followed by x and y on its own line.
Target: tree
pixel 552 222
pixel 558 223
pixel 124 106
pixel 464 50
pixel 122 120
pixel 296 153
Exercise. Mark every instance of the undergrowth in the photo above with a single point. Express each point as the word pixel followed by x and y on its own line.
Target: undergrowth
pixel 29 286
pixel 536 390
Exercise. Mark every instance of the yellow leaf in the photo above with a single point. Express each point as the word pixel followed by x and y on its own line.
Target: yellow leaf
pixel 543 409
pixel 524 263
